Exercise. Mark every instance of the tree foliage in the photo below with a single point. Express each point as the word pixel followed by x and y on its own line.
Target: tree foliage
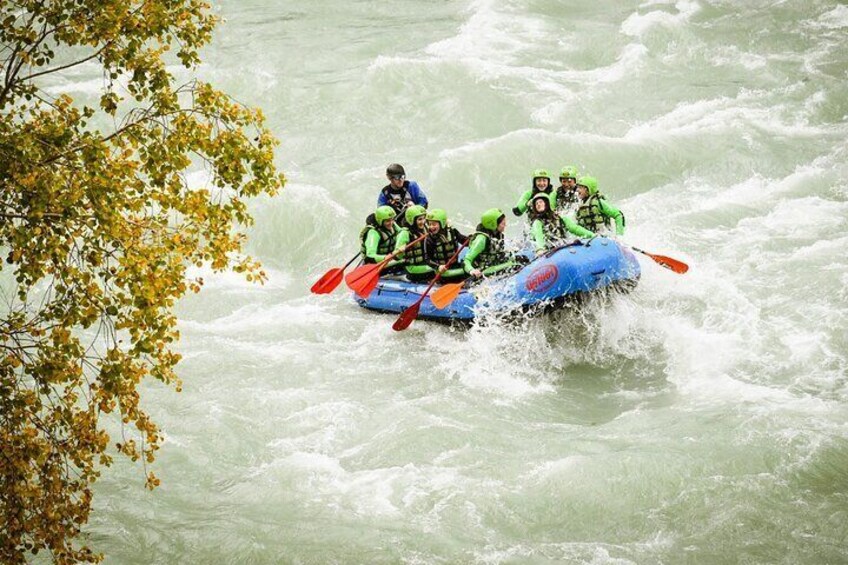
pixel 98 226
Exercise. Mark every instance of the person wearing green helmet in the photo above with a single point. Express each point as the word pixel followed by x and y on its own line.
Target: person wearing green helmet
pixel 377 238
pixel 441 244
pixel 487 254
pixel 550 229
pixel 415 263
pixel 566 192
pixel 541 183
pixel 595 213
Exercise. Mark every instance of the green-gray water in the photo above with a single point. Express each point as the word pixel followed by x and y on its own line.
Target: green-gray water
pixel 700 419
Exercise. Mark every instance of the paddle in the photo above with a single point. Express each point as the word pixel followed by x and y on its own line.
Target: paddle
pixel 362 280
pixel 332 278
pixel 678 267
pixel 443 296
pixel 408 316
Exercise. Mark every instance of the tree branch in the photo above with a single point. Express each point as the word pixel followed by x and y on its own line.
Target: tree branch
pixel 63 67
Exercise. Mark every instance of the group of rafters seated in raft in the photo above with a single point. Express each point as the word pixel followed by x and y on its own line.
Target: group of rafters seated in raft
pixel 555 213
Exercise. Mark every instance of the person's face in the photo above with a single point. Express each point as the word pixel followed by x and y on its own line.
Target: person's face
pixel 434 226
pixel 539 205
pixel 582 191
pixel 420 222
pixel 568 182
pixel 502 225
pixel 396 180
pixel 542 183
pixel 388 224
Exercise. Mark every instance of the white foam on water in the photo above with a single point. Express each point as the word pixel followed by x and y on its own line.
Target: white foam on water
pixel 493 43
pixel 546 80
pixel 822 249
pixel 731 55
pixel 712 355
pixel 837 18
pixel 311 197
pixel 264 318
pixel 723 115
pixel 393 491
pixel 229 281
pixel 586 553
pixel 636 25
pixel 550 469
pixel 485 145
pixel 801 218
pixel 489 34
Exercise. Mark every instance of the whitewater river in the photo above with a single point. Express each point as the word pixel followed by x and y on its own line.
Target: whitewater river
pixel 702 418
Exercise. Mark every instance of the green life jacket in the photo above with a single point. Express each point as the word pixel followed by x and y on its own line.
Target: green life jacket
pixel 589 214
pixel 415 254
pixel 494 252
pixel 387 239
pixel 441 247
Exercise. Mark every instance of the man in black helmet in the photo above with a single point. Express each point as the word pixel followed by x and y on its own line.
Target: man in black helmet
pixel 400 193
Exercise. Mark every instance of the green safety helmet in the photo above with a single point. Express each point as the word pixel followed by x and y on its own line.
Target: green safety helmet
pixel 491 218
pixel 589 182
pixel 383 213
pixel 541 173
pixel 413 212
pixel 568 172
pixel 438 215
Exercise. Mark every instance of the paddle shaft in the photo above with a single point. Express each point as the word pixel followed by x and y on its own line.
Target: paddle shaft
pixel 355 257
pixel 393 254
pixel 438 276
pixel 371 268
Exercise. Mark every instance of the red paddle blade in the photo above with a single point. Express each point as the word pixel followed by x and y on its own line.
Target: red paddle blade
pixel 406 317
pixel 361 273
pixel 365 286
pixel 329 282
pixel 677 266
pixel 366 283
pixel 442 297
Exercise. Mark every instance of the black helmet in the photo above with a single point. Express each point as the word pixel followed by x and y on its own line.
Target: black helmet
pixel 395 169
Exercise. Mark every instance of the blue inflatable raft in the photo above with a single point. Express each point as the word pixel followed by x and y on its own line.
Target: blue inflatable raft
pixel 547 282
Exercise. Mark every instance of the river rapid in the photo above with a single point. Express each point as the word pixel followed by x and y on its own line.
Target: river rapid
pixel 700 418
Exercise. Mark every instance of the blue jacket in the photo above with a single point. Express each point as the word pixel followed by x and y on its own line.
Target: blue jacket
pixel 409 192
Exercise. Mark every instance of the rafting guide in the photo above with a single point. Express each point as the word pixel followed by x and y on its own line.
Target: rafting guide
pixel 571 250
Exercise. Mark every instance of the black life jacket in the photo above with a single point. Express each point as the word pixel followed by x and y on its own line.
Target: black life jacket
pixel 552 227
pixel 415 255
pixel 387 239
pixel 494 253
pixel 440 248
pixel 589 214
pixel 397 198
pixel 565 198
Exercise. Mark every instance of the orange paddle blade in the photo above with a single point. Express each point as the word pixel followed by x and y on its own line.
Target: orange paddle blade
pixel 443 296
pixel 407 317
pixel 669 263
pixel 329 282
pixel 672 264
pixel 678 267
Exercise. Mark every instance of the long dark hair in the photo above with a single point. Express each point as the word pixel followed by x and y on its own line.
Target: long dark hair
pixel 547 214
